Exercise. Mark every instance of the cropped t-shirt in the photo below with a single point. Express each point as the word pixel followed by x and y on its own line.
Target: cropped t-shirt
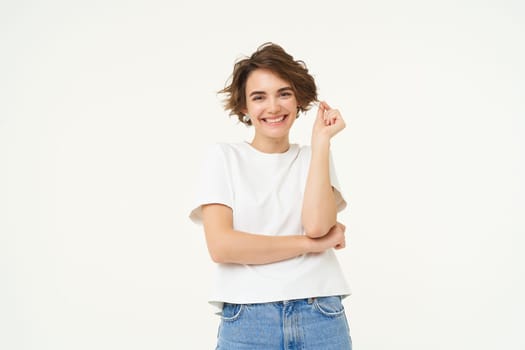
pixel 265 192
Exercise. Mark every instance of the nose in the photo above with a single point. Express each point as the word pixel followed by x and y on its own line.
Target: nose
pixel 273 105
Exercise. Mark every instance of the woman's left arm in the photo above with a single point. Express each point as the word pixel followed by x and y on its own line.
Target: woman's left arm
pixel 319 212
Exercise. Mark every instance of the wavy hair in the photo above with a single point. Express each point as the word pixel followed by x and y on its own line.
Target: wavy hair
pixel 272 57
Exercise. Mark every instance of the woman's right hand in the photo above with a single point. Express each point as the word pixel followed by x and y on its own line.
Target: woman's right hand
pixel 335 238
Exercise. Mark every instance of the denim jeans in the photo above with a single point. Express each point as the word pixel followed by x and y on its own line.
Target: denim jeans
pixel 314 323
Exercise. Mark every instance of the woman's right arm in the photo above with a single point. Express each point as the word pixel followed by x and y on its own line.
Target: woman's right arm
pixel 227 245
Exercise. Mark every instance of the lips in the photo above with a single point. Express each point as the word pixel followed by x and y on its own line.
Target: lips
pixel 274 120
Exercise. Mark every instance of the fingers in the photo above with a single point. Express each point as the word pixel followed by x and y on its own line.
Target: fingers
pixel 325 105
pixel 327 108
pixel 322 112
pixel 332 116
pixel 328 122
pixel 329 115
pixel 340 245
pixel 342 240
pixel 335 238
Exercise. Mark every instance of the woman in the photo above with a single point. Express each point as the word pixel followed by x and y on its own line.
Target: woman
pixel 269 212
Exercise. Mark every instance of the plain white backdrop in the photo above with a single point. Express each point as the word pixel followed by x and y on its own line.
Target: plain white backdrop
pixel 107 106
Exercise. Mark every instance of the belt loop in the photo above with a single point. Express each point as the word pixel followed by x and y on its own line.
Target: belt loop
pixel 311 300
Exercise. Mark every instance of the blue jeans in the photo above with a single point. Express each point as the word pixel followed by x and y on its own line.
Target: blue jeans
pixel 315 323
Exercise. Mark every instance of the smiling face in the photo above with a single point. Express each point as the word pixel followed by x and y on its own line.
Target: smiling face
pixel 271 105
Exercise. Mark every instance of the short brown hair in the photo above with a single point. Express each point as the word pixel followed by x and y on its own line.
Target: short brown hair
pixel 272 57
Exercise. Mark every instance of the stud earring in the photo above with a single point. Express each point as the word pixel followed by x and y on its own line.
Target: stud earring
pixel 246 118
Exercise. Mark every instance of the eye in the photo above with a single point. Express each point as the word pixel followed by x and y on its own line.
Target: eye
pixel 257 97
pixel 286 94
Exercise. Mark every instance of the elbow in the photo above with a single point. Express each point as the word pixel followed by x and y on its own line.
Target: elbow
pixel 317 231
pixel 217 255
pixel 314 232
pixel 216 241
pixel 315 227
pixel 217 258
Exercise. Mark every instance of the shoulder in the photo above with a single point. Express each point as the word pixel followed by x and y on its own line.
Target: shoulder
pixel 213 154
pixel 222 151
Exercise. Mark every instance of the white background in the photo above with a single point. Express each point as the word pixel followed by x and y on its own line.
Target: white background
pixel 107 106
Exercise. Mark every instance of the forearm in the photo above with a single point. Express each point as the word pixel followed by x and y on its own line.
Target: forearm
pixel 238 247
pixel 229 246
pixel 319 212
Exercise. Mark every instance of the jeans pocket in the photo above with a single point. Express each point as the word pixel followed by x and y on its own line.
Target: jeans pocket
pixel 231 312
pixel 329 306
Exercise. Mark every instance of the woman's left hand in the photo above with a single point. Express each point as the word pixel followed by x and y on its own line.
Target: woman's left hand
pixel 327 123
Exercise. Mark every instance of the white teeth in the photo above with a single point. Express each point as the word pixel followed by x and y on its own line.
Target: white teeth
pixel 275 120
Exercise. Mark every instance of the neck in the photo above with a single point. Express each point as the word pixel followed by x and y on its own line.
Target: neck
pixel 269 145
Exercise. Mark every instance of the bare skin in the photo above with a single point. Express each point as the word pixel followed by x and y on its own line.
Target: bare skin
pixel 227 245
pixel 317 220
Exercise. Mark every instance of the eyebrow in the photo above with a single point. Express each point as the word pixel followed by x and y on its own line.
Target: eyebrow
pixel 286 88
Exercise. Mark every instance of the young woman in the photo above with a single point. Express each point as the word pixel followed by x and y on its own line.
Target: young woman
pixel 269 210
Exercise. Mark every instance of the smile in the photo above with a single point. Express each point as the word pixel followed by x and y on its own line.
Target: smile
pixel 275 121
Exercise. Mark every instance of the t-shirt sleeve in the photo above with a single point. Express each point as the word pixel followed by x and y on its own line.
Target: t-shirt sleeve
pixel 339 199
pixel 213 183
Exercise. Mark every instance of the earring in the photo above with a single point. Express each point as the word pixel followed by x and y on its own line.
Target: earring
pixel 246 118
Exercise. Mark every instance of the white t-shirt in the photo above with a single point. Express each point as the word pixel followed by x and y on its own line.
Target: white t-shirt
pixel 265 192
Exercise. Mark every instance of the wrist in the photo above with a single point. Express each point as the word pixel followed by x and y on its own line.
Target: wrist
pixel 308 244
pixel 312 245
